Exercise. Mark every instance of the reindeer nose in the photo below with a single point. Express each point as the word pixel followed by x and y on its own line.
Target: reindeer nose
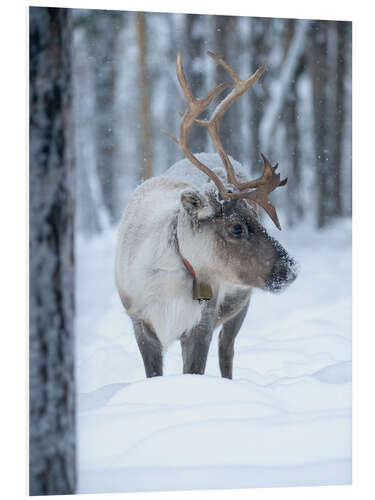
pixel 282 274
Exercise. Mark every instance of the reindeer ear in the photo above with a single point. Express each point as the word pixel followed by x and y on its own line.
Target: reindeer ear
pixel 196 204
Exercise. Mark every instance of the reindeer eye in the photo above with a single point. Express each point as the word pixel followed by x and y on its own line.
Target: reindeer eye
pixel 237 229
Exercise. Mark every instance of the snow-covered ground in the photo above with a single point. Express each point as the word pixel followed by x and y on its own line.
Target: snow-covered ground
pixel 284 419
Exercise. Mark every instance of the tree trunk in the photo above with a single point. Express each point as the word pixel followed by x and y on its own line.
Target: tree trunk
pixel 340 113
pixel 293 153
pixel 103 29
pixel 347 139
pixel 260 29
pixel 194 64
pixel 144 108
pixel 319 72
pixel 91 216
pixel 52 399
pixel 227 46
pixel 171 119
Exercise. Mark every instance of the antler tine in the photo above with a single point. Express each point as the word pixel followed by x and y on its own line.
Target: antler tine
pixel 195 108
pixel 240 86
pixel 212 125
pixel 224 64
pixel 182 79
pixel 264 186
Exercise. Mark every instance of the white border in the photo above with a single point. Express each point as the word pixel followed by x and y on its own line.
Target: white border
pixel 14 247
pixel 272 8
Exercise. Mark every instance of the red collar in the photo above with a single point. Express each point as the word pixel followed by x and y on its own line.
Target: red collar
pixel 188 266
pixel 201 291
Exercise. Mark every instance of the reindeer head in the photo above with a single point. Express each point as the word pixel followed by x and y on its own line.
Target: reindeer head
pixel 220 228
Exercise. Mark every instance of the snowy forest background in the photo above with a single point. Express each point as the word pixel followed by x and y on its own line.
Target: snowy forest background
pixel 102 86
pixel 126 91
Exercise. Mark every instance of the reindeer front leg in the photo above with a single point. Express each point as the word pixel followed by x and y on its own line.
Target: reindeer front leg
pixel 196 343
pixel 150 347
pixel 227 337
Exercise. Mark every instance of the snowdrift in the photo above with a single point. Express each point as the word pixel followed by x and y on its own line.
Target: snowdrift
pixel 285 418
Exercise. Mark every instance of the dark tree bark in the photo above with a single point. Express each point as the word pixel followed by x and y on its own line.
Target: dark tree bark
pixel 171 118
pixel 192 60
pixel 347 111
pixel 227 46
pixel 323 160
pixel 328 60
pixel 91 215
pixel 52 400
pixel 341 29
pixel 259 51
pixel 103 30
pixel 294 201
pixel 293 154
pixel 144 97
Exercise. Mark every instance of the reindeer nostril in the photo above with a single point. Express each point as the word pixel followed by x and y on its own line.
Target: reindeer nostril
pixel 282 274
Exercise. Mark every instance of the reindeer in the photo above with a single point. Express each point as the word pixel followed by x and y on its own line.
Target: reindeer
pixel 191 246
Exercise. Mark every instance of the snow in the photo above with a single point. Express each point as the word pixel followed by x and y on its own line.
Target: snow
pixel 284 419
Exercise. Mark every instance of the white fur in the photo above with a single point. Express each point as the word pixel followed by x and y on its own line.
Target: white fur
pixel 148 270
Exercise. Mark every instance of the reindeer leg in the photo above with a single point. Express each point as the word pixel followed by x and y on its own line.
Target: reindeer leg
pixel 227 336
pixel 150 347
pixel 196 343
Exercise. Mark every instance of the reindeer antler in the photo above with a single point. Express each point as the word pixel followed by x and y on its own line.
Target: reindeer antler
pixel 262 186
pixel 195 108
